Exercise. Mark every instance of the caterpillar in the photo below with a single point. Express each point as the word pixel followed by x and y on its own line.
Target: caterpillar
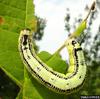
pixel 57 82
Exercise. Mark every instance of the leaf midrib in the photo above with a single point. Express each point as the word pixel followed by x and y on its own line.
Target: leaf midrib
pixel 26 13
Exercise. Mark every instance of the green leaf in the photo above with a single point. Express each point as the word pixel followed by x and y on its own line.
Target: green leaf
pixel 16 15
pixel 54 61
pixel 45 56
pixel 29 88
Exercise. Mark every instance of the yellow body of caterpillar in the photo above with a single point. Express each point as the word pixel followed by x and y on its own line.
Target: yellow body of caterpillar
pixel 58 82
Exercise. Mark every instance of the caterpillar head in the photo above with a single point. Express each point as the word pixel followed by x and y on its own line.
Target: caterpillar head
pixel 25 35
pixel 25 32
pixel 71 41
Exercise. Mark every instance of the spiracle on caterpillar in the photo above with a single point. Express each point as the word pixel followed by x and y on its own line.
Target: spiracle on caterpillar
pixel 58 82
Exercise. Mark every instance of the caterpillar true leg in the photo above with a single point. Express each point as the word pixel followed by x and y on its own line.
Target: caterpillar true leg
pixel 58 82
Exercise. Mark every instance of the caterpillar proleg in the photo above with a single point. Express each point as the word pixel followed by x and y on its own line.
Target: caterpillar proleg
pixel 58 82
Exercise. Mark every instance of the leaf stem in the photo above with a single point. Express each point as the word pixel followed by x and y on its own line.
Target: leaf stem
pixel 58 50
pixel 91 8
